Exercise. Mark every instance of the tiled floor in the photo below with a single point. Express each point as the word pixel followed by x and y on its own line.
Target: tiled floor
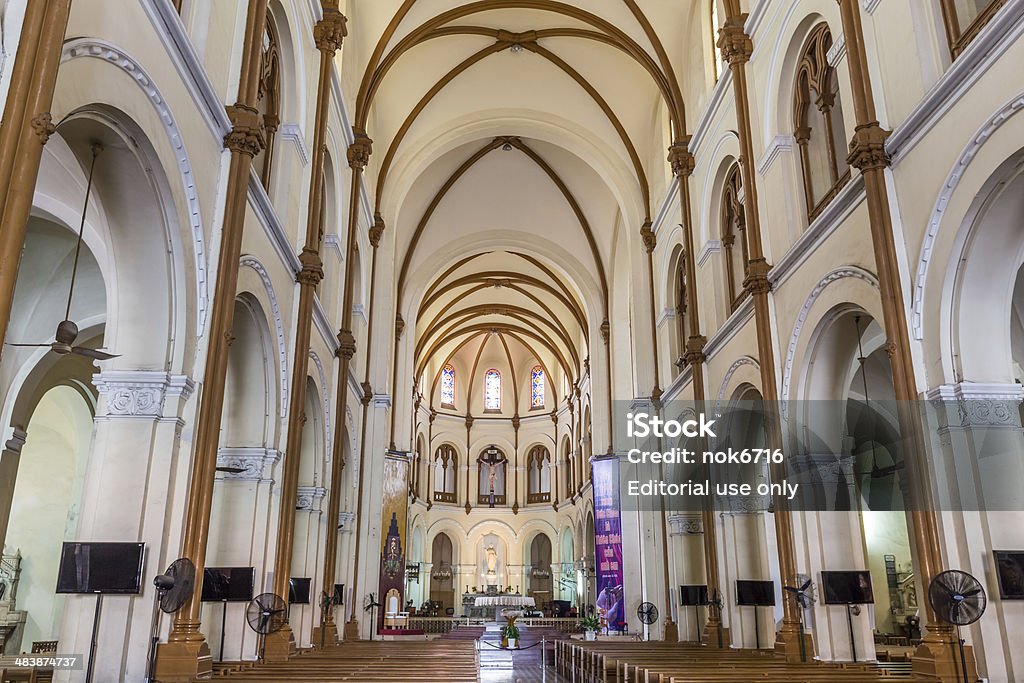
pixel 511 666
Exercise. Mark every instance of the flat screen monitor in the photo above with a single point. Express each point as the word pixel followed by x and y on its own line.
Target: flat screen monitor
pixel 692 596
pixel 101 568
pixel 755 593
pixel 298 591
pixel 1010 568
pixel 339 594
pixel 847 588
pixel 228 584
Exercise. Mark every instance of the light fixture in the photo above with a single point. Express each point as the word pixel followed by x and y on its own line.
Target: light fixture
pixel 516 48
pixel 507 147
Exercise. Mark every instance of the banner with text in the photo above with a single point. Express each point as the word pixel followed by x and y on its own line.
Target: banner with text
pixel 608 542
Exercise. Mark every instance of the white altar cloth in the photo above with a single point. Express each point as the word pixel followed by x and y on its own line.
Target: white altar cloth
pixel 504 601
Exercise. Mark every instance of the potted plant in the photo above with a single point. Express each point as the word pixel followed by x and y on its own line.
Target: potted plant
pixel 510 635
pixel 590 625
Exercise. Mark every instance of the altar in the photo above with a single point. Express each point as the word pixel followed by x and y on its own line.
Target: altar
pixel 504 601
pixel 491 605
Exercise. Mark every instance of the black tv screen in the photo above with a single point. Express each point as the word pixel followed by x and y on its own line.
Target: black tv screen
pixel 755 593
pixel 847 588
pixel 339 594
pixel 228 584
pixel 692 596
pixel 101 568
pixel 298 591
pixel 1010 568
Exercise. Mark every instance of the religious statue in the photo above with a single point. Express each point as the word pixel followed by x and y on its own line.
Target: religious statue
pixel 491 556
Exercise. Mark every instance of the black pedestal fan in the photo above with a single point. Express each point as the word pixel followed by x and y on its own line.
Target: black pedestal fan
pixel 803 601
pixel 266 613
pixel 959 599
pixel 647 613
pixel 173 589
pixel 370 605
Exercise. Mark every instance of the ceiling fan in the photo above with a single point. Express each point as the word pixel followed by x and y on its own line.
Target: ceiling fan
pixel 67 330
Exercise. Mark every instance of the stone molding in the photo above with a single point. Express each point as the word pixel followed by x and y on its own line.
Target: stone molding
pixel 685 525
pixel 255 461
pixel 140 393
pixel 346 520
pixel 292 132
pixel 978 404
pixel 114 55
pixel 307 498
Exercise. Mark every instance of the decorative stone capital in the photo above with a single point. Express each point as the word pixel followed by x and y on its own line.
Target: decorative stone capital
pixel 516 421
pixel 246 135
pixel 346 520
pixel 359 151
pixel 867 148
pixel 399 326
pixel 649 238
pixel 681 159
pixel 733 41
pixel 606 330
pixel 757 281
pixel 469 421
pixel 346 344
pixel 978 404
pixel 695 349
pixel 42 126
pixel 367 390
pixel 554 415
pixel 329 33
pixel 307 498
pixel 246 463
pixel 685 525
pixel 312 270
pixel 140 393
pixel 377 230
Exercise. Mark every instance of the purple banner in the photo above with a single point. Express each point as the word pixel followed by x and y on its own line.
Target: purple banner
pixel 608 543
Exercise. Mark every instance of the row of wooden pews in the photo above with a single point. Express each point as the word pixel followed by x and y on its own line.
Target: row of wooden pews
pixel 451 661
pixel 659 662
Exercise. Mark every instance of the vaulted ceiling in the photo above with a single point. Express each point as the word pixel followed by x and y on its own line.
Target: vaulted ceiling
pixel 519 145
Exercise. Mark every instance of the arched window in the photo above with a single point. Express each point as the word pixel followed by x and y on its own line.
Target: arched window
pixel 734 237
pixel 448 387
pixel 818 124
pixel 537 387
pixel 446 468
pixel 717 19
pixel 492 390
pixel 964 19
pixel 269 100
pixel 680 312
pixel 538 475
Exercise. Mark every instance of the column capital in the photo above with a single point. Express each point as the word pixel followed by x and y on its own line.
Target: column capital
pixel 867 148
pixel 140 393
pixel 377 230
pixel 757 281
pixel 649 238
pixel 346 344
pixel 695 349
pixel 359 151
pixel 399 326
pixel 733 41
pixel 606 329
pixel 329 33
pixel 246 135
pixel 312 270
pixel 43 127
pixel 681 158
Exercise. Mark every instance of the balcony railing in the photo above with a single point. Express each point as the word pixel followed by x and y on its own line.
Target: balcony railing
pixel 444 497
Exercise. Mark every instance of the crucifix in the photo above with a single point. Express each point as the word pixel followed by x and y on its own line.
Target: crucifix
pixel 492 457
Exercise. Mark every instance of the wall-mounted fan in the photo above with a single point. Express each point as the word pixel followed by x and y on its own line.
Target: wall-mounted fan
pixel 647 613
pixel 173 589
pixel 803 599
pixel 959 599
pixel 266 613
pixel 67 331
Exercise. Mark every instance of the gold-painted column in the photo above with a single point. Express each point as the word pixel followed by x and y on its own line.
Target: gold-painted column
pixel 358 154
pixel 935 658
pixel 736 49
pixel 26 127
pixel 186 655
pixel 328 34
pixel 683 165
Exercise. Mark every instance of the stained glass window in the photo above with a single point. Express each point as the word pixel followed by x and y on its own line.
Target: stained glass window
pixel 492 390
pixel 537 387
pixel 448 386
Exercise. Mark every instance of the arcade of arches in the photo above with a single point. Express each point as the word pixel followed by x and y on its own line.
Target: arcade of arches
pixel 360 289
